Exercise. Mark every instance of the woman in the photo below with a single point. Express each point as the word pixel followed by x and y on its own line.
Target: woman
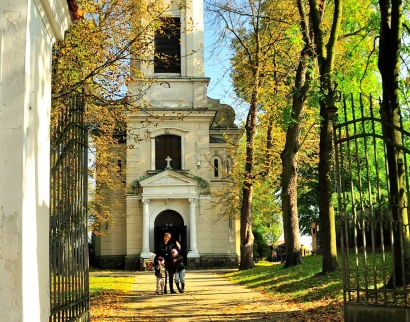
pixel 164 250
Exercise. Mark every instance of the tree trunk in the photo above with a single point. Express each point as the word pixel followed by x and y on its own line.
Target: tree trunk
pixel 326 214
pixel 389 66
pixel 246 229
pixel 326 57
pixel 292 145
pixel 289 197
pixel 246 234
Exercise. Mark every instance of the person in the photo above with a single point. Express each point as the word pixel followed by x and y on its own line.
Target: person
pixel 160 273
pixel 274 258
pixel 164 250
pixel 179 268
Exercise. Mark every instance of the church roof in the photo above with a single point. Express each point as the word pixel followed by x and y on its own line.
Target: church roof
pixel 225 115
pixel 213 139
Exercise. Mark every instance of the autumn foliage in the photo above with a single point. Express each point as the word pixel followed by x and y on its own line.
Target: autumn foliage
pixel 97 59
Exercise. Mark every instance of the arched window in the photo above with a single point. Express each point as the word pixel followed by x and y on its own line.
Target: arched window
pixel 216 168
pixel 168 151
pixel 228 164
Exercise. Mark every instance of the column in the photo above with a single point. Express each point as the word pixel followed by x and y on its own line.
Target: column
pixel 193 252
pixel 145 229
pixel 27 32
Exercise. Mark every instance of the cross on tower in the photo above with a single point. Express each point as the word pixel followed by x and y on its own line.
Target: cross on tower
pixel 168 159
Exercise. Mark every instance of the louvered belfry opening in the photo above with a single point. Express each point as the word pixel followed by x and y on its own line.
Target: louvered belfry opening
pixel 167 57
pixel 68 245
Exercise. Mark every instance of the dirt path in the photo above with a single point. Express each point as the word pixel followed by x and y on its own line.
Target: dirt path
pixel 208 297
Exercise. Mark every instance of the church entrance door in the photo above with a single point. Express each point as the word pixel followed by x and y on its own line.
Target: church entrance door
pixel 171 221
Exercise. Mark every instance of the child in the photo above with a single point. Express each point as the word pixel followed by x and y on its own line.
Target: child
pixel 160 273
pixel 178 262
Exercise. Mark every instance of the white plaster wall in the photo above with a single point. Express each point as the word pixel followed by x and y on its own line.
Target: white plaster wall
pixel 114 238
pixel 213 233
pixel 134 225
pixel 27 32
pixel 195 39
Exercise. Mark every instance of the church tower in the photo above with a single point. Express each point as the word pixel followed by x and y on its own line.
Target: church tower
pixel 177 63
pixel 177 156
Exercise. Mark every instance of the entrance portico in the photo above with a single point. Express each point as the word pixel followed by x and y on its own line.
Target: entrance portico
pixel 171 191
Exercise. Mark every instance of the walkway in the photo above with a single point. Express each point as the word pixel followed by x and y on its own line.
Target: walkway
pixel 208 297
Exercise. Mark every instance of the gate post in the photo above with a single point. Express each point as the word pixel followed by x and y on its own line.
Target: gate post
pixel 28 29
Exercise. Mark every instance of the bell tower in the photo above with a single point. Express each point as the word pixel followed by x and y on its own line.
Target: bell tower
pixel 177 62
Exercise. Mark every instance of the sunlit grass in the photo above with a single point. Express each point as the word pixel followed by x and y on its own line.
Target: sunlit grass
pixel 108 292
pixel 106 282
pixel 303 284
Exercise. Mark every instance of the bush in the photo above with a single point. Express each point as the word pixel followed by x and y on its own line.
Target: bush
pixel 261 249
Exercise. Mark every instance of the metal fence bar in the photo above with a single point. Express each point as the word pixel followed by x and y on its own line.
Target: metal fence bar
pixel 69 294
pixel 368 232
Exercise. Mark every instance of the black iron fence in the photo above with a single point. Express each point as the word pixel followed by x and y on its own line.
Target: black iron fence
pixel 69 291
pixel 375 240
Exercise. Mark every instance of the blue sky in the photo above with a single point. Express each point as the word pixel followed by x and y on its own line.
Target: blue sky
pixel 217 68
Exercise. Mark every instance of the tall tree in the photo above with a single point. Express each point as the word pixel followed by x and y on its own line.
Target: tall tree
pixel 290 153
pixel 326 58
pixel 250 26
pixel 391 22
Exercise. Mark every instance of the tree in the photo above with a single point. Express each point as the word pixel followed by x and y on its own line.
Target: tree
pixel 261 248
pixel 391 22
pixel 253 27
pixel 94 61
pixel 290 152
pixel 326 57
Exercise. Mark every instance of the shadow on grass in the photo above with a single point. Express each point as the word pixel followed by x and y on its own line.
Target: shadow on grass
pixel 302 283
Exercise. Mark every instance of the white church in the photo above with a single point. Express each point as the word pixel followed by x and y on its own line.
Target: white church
pixel 183 155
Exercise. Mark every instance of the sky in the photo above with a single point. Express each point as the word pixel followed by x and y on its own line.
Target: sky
pixel 217 68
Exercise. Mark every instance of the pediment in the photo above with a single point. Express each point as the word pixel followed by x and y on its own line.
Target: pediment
pixel 169 184
pixel 168 178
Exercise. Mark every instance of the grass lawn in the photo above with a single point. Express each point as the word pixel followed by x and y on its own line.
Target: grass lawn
pixel 300 287
pixel 108 289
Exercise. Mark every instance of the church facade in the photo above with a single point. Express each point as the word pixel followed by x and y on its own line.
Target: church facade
pixel 178 155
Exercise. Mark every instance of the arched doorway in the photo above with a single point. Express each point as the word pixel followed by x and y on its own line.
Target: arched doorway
pixel 172 222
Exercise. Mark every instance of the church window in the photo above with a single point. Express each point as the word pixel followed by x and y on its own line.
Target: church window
pixel 228 164
pixel 167 43
pixel 119 164
pixel 216 168
pixel 168 151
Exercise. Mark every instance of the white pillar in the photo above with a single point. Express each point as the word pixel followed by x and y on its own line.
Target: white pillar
pixel 145 229
pixel 27 32
pixel 193 252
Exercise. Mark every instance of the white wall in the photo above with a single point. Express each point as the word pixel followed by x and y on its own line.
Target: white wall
pixel 27 32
